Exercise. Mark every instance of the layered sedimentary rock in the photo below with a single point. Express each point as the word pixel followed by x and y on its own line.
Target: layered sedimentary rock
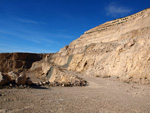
pixel 116 48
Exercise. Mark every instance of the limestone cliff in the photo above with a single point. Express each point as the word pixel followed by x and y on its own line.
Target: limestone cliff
pixel 116 48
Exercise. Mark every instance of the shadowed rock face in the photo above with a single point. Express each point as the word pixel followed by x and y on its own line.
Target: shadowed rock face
pixel 17 61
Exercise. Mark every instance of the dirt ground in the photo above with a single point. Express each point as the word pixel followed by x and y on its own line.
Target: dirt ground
pixel 102 95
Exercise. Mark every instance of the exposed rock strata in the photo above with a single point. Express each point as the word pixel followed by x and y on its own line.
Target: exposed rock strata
pixel 18 61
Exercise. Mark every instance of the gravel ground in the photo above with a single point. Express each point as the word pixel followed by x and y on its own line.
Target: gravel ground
pixel 102 95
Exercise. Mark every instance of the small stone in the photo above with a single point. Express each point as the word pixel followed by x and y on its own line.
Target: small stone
pixel 10 85
pixel 37 84
pixel 24 86
pixel 44 83
pixel 21 87
pixel 40 84
pixel 63 85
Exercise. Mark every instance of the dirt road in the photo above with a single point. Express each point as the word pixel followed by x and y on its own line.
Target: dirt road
pixel 103 95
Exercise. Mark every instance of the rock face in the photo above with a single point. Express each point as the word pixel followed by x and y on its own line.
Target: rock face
pixel 17 61
pixel 116 48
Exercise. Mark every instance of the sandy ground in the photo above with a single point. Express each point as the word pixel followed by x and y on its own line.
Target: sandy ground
pixel 103 95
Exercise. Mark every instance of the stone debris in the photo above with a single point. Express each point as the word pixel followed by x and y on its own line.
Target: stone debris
pixel 14 80
pixel 69 84
pixel 22 81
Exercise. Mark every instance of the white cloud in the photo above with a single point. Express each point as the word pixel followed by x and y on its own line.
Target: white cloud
pixel 31 36
pixel 114 10
pixel 27 21
pixel 43 40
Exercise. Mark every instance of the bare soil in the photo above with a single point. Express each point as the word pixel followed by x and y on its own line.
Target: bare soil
pixel 102 95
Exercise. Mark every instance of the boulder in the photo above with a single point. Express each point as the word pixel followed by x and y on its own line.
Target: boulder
pixel 4 79
pixel 21 80
pixel 62 77
pixel 13 75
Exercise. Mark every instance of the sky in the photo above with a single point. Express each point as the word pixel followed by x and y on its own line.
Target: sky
pixel 46 26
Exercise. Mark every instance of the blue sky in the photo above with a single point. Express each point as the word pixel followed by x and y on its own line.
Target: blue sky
pixel 45 26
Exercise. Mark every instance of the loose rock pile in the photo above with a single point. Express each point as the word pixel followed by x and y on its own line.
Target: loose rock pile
pixel 79 82
pixel 13 79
